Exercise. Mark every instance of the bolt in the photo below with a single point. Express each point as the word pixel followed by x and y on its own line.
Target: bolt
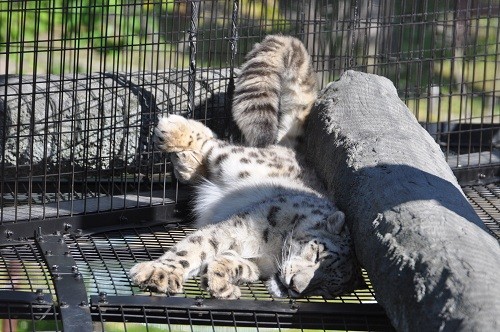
pixel 83 304
pixel 67 253
pixel 77 275
pixel 61 241
pixel 74 268
pixel 103 297
pixel 198 301
pixel 63 304
pixel 293 304
pixel 9 234
pixel 57 276
pixel 79 231
pixel 67 227
pixel 39 295
pixel 39 235
pixel 55 267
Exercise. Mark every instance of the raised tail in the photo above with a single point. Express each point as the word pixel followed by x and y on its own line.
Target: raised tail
pixel 274 91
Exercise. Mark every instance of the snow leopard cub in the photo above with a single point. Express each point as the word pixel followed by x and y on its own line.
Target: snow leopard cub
pixel 258 219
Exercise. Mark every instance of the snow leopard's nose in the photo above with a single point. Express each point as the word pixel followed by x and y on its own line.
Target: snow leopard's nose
pixel 297 285
pixel 293 286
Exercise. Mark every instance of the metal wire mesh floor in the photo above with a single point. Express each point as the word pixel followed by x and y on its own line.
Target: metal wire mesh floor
pixel 42 276
pixel 486 202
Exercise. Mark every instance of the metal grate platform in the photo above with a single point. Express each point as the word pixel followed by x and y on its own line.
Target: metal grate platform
pixel 90 277
pixel 486 202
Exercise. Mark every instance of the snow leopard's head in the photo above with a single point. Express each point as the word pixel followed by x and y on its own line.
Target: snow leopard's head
pixel 318 260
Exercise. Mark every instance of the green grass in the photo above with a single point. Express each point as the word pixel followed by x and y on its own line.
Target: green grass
pixel 455 107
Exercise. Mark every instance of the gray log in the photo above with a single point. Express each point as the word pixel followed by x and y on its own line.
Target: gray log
pixel 96 121
pixel 432 262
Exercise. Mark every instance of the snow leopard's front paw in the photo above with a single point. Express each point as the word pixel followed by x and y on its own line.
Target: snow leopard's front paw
pixel 176 133
pixel 158 277
pixel 217 283
pixel 188 166
pixel 222 276
pixel 183 138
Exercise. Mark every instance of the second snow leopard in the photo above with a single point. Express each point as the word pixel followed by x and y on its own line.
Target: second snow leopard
pixel 258 215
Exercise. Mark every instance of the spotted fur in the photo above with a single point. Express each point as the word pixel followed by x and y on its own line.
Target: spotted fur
pixel 274 92
pixel 258 218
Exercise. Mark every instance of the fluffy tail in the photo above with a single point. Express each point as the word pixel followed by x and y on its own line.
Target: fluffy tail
pixel 274 91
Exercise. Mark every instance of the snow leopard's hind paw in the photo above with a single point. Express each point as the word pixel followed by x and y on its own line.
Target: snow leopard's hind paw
pixel 176 133
pixel 183 138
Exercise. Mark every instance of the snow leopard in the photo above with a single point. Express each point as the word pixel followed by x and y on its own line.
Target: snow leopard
pixel 260 212
pixel 257 218
pixel 275 90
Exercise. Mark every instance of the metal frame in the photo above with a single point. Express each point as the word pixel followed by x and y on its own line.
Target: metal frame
pixel 75 225
pixel 243 313
pixel 70 289
pixel 470 149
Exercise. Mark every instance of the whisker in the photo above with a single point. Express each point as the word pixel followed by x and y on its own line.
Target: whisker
pixel 278 263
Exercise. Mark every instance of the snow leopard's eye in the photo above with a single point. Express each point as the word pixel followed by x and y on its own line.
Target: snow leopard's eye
pixel 318 257
pixel 320 248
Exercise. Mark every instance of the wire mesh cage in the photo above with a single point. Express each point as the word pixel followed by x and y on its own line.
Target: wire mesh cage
pixel 84 194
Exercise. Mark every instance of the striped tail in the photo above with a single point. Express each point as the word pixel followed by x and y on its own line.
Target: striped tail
pixel 274 92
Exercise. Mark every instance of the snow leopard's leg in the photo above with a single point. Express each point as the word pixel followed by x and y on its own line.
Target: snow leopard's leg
pixel 222 276
pixel 186 140
pixel 167 273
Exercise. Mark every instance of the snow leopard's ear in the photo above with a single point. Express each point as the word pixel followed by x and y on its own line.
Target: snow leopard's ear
pixel 336 222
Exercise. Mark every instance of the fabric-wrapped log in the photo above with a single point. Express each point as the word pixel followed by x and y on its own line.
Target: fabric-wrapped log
pixel 98 121
pixel 433 264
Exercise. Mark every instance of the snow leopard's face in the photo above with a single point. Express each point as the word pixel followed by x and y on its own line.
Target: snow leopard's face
pixel 319 260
